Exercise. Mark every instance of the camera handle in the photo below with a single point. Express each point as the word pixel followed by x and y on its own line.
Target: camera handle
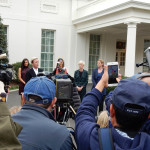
pixel 142 64
pixel 69 106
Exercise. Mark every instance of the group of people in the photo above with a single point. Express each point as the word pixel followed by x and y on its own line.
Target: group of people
pixel 127 117
pixel 25 73
pixel 80 75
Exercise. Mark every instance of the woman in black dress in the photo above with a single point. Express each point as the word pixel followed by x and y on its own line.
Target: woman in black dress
pixel 21 75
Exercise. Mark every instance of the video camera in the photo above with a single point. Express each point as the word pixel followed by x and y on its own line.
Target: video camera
pixel 5 75
pixel 147 62
pixel 64 94
pixel 64 88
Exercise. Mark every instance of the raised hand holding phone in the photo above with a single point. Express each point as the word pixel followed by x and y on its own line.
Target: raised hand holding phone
pixel 112 72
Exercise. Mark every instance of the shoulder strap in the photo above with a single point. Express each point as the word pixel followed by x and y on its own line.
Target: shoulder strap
pixel 105 139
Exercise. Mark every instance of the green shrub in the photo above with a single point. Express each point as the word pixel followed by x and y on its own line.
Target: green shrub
pixel 15 68
pixel 113 87
pixel 110 89
pixel 14 87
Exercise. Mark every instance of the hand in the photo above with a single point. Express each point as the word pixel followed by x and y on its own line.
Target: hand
pixel 105 77
pixel 119 77
pixel 79 88
pixel 103 83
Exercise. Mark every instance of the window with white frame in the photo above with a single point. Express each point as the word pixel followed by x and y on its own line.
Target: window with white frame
pixel 93 52
pixel 47 50
pixel 146 45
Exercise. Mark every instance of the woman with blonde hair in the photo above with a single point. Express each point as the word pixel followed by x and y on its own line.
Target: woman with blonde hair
pixel 103 120
pixel 96 77
pixel 81 79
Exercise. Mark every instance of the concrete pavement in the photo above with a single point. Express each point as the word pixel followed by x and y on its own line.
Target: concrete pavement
pixel 13 99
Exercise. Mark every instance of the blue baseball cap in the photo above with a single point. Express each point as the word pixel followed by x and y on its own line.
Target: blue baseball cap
pixel 132 96
pixel 42 87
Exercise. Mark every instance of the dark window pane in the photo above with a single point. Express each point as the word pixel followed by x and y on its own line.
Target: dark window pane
pixel 43 41
pixel 48 34
pixel 51 48
pixel 43 48
pixel 43 34
pixel 52 42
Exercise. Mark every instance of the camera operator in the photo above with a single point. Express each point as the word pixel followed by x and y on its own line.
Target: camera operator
pixel 129 113
pixel 40 131
pixel 9 130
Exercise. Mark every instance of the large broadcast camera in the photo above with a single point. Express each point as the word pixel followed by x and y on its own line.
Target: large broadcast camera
pixel 64 94
pixel 5 75
pixel 146 63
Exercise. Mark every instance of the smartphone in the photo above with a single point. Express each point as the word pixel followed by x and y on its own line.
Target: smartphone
pixel 112 72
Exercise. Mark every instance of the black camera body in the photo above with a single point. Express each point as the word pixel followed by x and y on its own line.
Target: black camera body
pixel 5 75
pixel 147 62
pixel 64 90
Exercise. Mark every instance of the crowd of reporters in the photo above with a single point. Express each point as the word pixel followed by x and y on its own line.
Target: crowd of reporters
pixel 127 115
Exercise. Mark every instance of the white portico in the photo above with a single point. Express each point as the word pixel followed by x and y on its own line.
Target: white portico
pixel 126 21
pixel 113 30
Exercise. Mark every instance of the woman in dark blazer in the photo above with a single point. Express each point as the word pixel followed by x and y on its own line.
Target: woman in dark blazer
pixel 96 77
pixel 81 79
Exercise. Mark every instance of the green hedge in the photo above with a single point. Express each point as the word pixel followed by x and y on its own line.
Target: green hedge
pixel 113 87
pixel 15 68
pixel 110 89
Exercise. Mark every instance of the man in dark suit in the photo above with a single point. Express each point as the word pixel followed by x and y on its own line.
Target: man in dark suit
pixel 34 70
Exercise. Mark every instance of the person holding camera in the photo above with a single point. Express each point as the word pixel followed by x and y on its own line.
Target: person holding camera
pixel 40 130
pixel 33 72
pixel 81 79
pixel 22 75
pixel 129 115
pixel 60 67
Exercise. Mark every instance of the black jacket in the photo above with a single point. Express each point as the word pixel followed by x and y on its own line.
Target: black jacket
pixel 31 74
pixel 81 81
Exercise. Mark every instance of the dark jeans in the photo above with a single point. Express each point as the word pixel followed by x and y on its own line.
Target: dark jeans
pixel 101 104
pixel 82 93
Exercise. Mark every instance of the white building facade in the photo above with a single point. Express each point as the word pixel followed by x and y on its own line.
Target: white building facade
pixel 76 30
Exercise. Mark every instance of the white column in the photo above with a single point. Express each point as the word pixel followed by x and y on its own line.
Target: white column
pixel 130 50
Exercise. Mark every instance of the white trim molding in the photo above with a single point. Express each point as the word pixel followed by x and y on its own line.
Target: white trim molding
pixel 49 6
pixel 83 15
pixel 5 3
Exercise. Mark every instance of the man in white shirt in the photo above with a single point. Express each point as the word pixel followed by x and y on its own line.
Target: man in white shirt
pixel 34 70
